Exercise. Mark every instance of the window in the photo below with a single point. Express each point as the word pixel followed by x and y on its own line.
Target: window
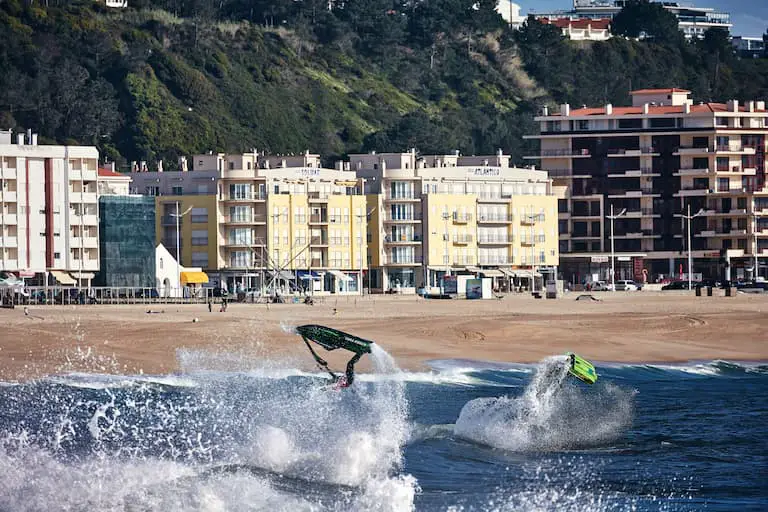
pixel 56 255
pixel 161 263
pixel 239 191
pixel 200 259
pixel 153 191
pixel 231 166
pixel 199 237
pixel 177 191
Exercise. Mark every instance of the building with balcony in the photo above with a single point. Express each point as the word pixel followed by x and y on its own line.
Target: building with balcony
pixel 692 21
pixel 49 217
pixel 253 221
pixel 439 214
pixel 650 162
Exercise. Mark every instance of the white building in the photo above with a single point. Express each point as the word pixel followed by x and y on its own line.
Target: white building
pixel 510 11
pixel 49 217
pixel 118 4
pixel 113 183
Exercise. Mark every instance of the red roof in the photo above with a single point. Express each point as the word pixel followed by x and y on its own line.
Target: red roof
pixel 583 23
pixel 654 109
pixel 660 91
pixel 106 173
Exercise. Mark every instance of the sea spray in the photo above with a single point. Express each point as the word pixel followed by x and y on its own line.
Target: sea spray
pixel 553 413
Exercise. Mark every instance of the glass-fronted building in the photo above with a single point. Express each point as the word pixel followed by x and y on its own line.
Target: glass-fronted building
pixel 127 242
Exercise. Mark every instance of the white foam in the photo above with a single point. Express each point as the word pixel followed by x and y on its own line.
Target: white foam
pixel 551 414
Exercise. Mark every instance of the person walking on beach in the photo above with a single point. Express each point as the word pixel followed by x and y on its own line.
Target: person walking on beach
pixel 210 306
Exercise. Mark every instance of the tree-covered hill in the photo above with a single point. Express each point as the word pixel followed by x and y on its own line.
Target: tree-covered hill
pixel 187 76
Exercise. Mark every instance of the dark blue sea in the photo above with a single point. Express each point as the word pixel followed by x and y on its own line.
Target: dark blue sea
pixel 467 436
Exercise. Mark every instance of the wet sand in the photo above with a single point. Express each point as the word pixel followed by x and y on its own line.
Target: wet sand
pixel 622 327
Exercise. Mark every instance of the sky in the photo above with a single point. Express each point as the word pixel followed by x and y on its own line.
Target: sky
pixel 749 17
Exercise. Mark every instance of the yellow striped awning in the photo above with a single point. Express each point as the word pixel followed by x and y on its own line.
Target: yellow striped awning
pixel 194 277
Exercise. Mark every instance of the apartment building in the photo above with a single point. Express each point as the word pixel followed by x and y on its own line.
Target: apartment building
pixel 255 221
pixel 49 220
pixel 693 21
pixel 435 215
pixel 648 164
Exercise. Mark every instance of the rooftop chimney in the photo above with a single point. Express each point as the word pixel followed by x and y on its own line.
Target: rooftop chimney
pixel 751 106
pixel 20 139
pixel 545 110
pixel 608 109
pixel 34 139
pixel 565 109
pixel 760 105
pixel 686 108
pixel 646 108
pixel 733 105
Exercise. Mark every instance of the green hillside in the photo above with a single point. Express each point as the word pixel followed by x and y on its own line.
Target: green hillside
pixel 286 76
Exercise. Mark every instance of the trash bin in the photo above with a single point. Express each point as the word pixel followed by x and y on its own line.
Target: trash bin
pixel 698 291
pixel 727 290
pixel 709 291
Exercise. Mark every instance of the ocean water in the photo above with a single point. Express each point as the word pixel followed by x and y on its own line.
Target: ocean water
pixel 467 436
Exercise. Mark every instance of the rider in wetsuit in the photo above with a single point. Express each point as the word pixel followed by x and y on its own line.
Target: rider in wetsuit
pixel 344 381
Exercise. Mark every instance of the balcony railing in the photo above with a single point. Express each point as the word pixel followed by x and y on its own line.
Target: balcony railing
pixel 564 152
pixel 407 196
pixel 464 260
pixel 318 219
pixel 255 196
pixel 462 239
pixel 245 219
pixel 492 260
pixel 495 218
pixel 318 240
pixel 317 262
pixel 401 239
pixel 402 218
pixel 400 260
pixel 495 239
pixel 462 217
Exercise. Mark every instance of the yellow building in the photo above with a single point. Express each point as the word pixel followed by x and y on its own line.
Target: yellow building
pixel 470 215
pixel 317 230
pixel 196 217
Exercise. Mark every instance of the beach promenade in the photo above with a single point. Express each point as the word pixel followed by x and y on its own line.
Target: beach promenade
pixel 622 327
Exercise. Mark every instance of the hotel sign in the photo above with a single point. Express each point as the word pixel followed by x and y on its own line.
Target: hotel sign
pixel 307 171
pixel 484 171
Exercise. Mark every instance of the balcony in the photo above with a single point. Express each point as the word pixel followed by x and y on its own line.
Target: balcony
pixel 318 240
pixel 82 197
pixel 9 241
pixel 243 198
pixel 690 150
pixel 401 261
pixel 632 152
pixel 87 265
pixel 531 219
pixel 560 153
pixel 462 239
pixel 559 173
pixel 688 191
pixel 402 240
pixel 389 196
pixel 461 218
pixel 317 263
pixel 464 260
pixel 318 219
pixel 88 242
pixel 490 260
pixel 495 219
pixel 8 196
pixel 735 149
pixel 403 218
pixel 84 175
pixel 317 197
pixel 495 240
pixel 736 170
pixel 9 264
pixel 8 173
pixel 235 242
pixel 761 232
pixel 245 219
pixel 9 219
pixel 691 171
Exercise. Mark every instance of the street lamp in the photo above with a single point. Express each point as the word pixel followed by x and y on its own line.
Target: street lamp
pixel 690 260
pixel 178 253
pixel 613 252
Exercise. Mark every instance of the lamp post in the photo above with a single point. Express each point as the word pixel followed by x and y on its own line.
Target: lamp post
pixel 178 253
pixel 613 252
pixel 688 217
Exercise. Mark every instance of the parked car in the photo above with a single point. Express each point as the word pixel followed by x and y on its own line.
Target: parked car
pixel 714 283
pixel 676 285
pixel 600 286
pixel 626 286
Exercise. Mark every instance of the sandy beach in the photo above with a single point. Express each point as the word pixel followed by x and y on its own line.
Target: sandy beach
pixel 621 327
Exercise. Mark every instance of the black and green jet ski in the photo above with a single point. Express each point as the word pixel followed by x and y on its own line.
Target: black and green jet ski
pixel 332 339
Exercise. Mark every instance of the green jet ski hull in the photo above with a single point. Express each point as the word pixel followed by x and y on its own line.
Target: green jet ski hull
pixel 582 369
pixel 331 339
